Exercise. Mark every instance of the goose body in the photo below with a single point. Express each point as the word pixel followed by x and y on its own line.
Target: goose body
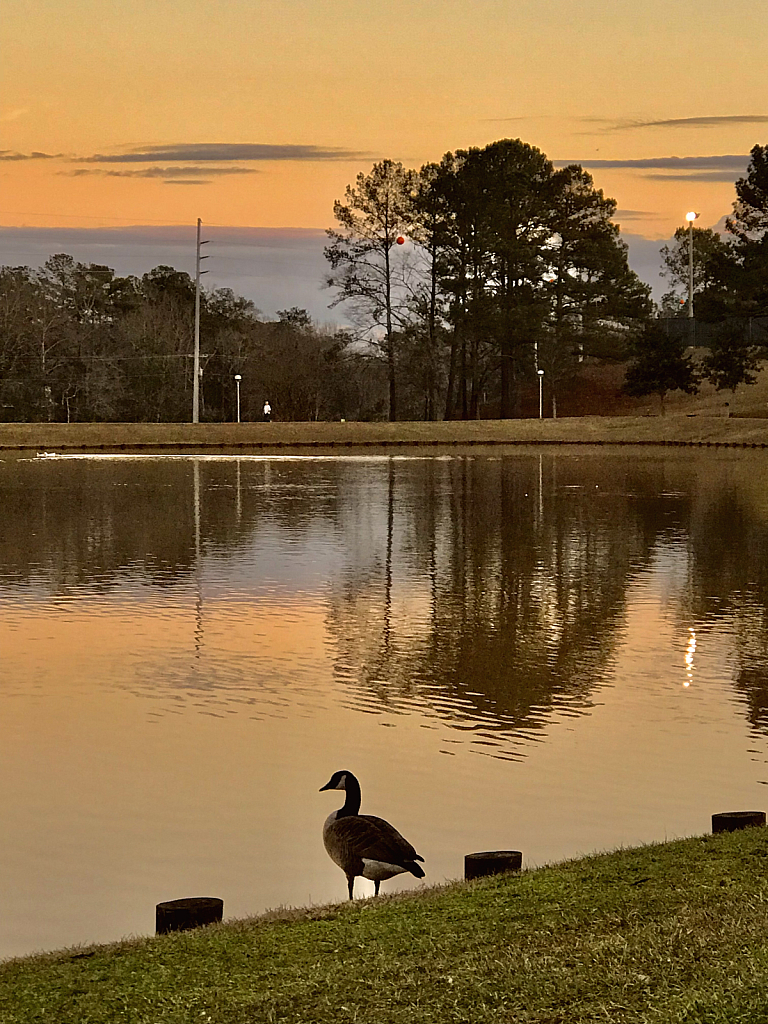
pixel 362 844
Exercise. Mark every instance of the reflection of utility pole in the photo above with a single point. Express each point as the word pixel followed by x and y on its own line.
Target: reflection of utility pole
pixel 239 496
pixel 198 565
pixel 388 562
pixel 196 369
pixel 434 501
pixel 432 513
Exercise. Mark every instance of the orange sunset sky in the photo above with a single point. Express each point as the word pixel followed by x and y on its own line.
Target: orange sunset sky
pixel 257 113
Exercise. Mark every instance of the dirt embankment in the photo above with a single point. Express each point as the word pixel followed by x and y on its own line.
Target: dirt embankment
pixel 672 429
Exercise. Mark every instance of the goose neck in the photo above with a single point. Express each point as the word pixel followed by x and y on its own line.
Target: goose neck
pixel 352 801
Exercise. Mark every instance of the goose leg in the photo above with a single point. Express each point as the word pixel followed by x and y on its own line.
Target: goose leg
pixel 350 885
pixel 377 883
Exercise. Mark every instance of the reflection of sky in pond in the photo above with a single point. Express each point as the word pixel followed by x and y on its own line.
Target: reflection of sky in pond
pixel 541 651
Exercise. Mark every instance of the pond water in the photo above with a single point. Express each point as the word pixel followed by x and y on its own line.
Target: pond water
pixel 554 650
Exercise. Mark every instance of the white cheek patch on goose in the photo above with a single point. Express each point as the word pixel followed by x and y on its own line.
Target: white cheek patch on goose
pixel 380 870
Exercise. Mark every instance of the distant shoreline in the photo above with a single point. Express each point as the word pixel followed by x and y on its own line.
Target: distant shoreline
pixel 236 437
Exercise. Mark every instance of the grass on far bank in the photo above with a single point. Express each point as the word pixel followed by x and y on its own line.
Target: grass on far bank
pixel 672 932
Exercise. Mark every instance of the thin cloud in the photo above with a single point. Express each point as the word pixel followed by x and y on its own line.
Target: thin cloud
pixel 723 176
pixel 634 214
pixel 190 174
pixel 223 152
pixel 9 154
pixel 497 120
pixel 725 168
pixel 717 120
pixel 724 162
pixel 194 153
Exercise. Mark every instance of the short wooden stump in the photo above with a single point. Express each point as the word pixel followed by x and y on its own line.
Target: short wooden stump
pixel 492 862
pixel 732 821
pixel 181 915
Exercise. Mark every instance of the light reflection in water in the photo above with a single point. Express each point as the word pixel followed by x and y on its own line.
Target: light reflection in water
pixel 190 646
pixel 689 653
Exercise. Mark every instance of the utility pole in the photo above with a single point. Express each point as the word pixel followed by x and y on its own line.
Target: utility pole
pixel 196 369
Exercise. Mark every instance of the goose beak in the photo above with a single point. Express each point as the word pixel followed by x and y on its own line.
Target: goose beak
pixel 326 786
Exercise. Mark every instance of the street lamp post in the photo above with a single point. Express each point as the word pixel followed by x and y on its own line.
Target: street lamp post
pixel 690 217
pixel 541 393
pixel 238 378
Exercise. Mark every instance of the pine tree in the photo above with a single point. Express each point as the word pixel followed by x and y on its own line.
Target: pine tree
pixel 660 365
pixel 377 211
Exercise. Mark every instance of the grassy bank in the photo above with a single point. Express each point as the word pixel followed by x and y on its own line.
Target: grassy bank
pixel 677 429
pixel 673 932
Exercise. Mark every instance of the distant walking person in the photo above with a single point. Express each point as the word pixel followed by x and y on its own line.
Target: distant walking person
pixel 267 411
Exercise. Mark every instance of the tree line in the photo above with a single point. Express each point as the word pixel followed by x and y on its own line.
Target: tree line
pixel 78 342
pixel 462 280
pixel 518 268
pixel 472 274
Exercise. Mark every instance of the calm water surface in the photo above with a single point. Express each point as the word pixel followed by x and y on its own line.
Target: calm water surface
pixel 552 650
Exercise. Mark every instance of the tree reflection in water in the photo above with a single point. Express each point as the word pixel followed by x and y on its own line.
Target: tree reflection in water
pixel 511 574
pixel 506 597
pixel 488 588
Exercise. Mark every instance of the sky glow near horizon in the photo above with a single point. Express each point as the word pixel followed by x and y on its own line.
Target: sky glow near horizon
pixel 115 114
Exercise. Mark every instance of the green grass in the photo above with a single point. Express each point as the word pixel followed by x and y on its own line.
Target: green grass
pixel 702 426
pixel 673 932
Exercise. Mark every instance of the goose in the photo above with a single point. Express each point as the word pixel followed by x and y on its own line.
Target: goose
pixel 362 844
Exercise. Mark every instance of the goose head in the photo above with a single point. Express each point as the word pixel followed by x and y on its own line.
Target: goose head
pixel 338 781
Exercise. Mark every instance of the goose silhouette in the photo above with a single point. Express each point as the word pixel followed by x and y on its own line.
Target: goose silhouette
pixel 362 844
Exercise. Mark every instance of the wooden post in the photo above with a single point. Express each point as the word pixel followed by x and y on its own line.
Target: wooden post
pixel 732 821
pixel 181 915
pixel 493 862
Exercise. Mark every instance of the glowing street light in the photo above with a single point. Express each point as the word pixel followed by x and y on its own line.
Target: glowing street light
pixel 690 217
pixel 238 378
pixel 541 393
